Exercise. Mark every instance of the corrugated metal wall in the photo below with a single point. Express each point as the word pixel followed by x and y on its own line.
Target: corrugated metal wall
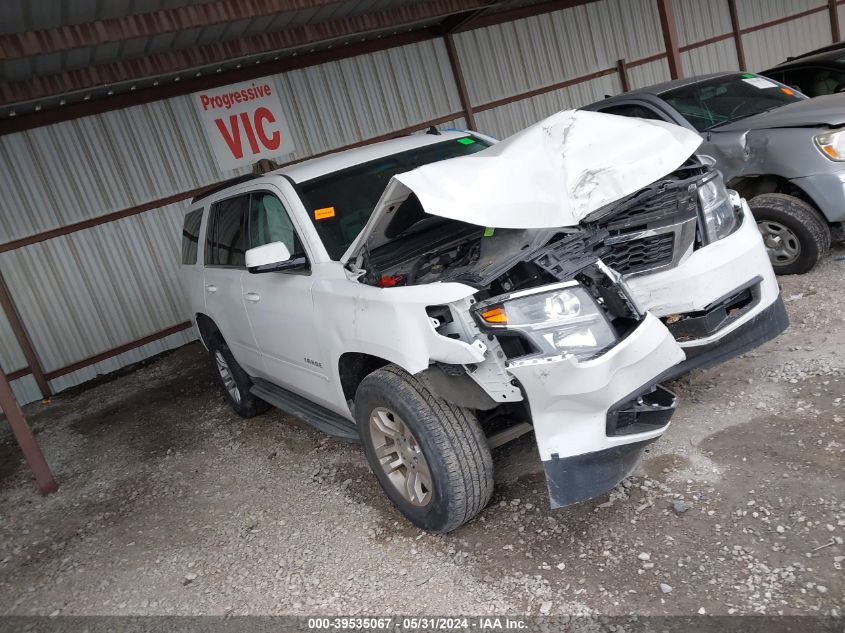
pixel 699 21
pixel 532 53
pixel 770 46
pixel 96 289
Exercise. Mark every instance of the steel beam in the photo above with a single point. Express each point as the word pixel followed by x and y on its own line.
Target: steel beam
pixel 737 34
pixel 491 18
pixel 458 75
pixel 670 37
pixel 622 71
pixel 186 60
pixel 26 440
pixel 145 25
pixel 22 337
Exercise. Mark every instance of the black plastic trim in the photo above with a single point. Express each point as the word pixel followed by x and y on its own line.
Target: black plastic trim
pixel 758 330
pixel 574 479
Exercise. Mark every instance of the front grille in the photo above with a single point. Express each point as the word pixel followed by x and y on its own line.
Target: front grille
pixel 654 228
pixel 637 255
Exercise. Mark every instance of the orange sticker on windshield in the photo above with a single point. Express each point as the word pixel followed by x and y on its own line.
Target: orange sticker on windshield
pixel 324 213
pixel 787 91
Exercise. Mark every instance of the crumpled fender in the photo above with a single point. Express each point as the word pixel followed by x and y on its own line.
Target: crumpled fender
pixel 391 323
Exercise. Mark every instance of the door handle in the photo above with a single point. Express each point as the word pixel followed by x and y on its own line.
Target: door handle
pixel 252 296
pixel 211 288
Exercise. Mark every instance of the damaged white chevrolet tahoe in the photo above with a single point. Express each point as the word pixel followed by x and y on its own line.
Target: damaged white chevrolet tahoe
pixel 436 295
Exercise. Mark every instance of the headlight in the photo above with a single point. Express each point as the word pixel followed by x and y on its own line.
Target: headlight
pixel 717 212
pixel 559 321
pixel 832 144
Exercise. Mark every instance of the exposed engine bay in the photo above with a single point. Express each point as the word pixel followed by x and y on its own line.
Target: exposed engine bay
pixel 646 231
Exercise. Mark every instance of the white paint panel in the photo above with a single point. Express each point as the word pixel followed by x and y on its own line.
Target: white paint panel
pixel 767 47
pixel 76 170
pixel 122 360
pixel 97 289
pixel 754 12
pixel 699 20
pixel 12 359
pixel 508 119
pixel 712 58
pixel 507 59
pixel 649 74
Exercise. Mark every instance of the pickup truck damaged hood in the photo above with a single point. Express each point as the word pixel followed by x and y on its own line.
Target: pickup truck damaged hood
pixel 824 111
pixel 552 174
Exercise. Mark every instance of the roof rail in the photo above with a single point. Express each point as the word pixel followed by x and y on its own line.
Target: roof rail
pixel 231 182
pixel 823 49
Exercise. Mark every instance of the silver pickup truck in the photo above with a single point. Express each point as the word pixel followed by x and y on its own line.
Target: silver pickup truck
pixel 781 151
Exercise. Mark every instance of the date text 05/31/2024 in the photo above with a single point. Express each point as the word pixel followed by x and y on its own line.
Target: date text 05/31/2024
pixel 478 623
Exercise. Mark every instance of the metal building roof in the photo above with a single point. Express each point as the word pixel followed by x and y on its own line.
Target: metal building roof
pixel 58 52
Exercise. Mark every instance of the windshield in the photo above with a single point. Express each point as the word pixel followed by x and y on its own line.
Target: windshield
pixel 725 99
pixel 339 204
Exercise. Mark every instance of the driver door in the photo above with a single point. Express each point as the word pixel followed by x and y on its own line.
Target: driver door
pixel 280 307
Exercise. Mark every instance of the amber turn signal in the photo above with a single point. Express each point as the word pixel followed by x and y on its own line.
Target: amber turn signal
pixel 495 315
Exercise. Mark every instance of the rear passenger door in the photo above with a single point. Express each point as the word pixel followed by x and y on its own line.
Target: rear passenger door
pixel 225 265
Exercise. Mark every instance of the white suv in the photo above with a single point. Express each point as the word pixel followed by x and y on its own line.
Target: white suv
pixel 437 295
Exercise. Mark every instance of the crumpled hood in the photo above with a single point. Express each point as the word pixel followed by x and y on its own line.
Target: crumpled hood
pixel 828 110
pixel 552 174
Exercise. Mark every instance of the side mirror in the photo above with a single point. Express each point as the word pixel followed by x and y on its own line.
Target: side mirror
pixel 272 257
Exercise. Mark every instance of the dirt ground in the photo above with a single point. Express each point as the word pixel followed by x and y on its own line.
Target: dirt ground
pixel 171 504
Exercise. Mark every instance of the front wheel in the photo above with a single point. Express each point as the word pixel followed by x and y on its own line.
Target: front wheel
pixel 430 457
pixel 795 234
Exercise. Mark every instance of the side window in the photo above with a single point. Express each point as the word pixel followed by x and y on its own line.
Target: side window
pixel 633 110
pixel 269 222
pixel 226 237
pixel 191 237
pixel 814 82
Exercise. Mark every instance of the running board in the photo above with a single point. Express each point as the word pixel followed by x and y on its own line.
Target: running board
pixel 508 435
pixel 312 414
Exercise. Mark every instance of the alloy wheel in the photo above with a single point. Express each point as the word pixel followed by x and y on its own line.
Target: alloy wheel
pixel 400 456
pixel 226 375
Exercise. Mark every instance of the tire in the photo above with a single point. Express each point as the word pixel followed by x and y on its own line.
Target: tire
pixel 235 392
pixel 449 440
pixel 795 228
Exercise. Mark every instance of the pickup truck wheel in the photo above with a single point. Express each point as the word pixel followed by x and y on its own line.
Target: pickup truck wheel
pixel 430 457
pixel 233 380
pixel 795 234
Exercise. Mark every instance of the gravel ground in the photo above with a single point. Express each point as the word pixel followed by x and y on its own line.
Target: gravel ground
pixel 171 504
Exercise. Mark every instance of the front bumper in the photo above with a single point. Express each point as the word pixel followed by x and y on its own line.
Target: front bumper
pixel 593 418
pixel 706 277
pixel 827 191
pixel 570 401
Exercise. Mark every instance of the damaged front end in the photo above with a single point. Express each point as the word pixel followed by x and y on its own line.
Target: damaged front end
pixel 569 348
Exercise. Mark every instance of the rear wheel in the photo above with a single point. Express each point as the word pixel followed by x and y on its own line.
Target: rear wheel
pixel 233 380
pixel 430 457
pixel 795 234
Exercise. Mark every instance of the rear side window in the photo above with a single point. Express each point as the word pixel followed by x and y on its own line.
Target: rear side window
pixel 226 236
pixel 191 237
